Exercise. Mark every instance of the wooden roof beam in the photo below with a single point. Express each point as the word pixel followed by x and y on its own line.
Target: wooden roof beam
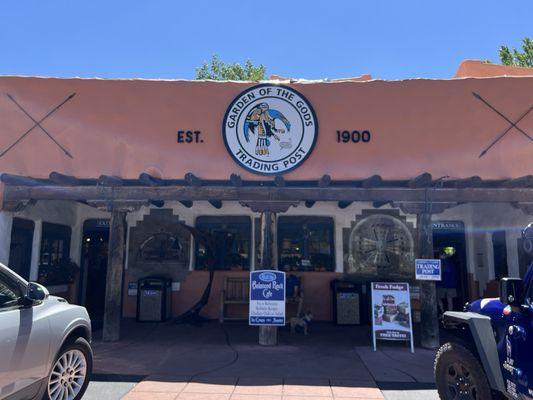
pixel 527 208
pixel 344 204
pixel 150 180
pixel 192 179
pixel 18 180
pixel 110 180
pixel 235 180
pixel 523 181
pixel 421 181
pixel 279 181
pixel 324 181
pixel 423 207
pixel 157 203
pixel 17 206
pixel 124 205
pixel 215 203
pixel 62 179
pixel 271 206
pixel 473 181
pixel 372 182
pixel 257 193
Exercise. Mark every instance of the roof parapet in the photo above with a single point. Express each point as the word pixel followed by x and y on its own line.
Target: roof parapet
pixel 481 69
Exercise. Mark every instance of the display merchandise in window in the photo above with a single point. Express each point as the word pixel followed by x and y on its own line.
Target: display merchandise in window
pixel 231 238
pixel 306 244
pixel 55 266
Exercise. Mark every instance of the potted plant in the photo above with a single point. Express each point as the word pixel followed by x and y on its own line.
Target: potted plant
pixel 61 273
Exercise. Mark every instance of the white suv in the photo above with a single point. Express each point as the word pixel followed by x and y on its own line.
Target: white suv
pixel 44 343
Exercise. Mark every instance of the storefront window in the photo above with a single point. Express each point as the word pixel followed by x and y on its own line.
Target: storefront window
pixel 499 250
pixel 55 267
pixel 231 242
pixel 306 244
pixel 55 244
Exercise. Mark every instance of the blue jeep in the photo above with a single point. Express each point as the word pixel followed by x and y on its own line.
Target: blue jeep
pixel 489 352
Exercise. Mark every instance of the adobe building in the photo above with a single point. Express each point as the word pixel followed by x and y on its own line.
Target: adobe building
pixel 351 178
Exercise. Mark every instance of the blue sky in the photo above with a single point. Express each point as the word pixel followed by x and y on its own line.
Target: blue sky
pixel 311 39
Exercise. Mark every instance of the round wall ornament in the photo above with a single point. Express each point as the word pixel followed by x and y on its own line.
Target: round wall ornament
pixel 270 129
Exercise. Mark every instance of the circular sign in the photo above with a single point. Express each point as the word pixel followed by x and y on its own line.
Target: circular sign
pixel 270 129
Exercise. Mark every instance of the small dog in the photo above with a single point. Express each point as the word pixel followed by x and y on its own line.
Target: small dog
pixel 301 322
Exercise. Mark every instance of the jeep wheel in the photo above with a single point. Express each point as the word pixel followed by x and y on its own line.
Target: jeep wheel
pixel 70 374
pixel 459 375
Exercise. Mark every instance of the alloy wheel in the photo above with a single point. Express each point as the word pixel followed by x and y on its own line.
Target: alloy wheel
pixel 460 383
pixel 68 375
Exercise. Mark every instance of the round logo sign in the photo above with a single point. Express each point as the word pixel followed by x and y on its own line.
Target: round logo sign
pixel 267 276
pixel 270 129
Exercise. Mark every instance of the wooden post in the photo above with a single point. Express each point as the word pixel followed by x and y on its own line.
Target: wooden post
pixel 428 292
pixel 266 240
pixel 268 335
pixel 115 269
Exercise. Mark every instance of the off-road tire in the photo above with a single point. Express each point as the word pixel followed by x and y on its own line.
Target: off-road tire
pixel 81 345
pixel 449 356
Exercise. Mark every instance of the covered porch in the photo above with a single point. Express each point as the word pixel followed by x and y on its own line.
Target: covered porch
pixel 413 204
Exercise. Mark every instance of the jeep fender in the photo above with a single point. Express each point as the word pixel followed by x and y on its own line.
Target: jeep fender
pixel 483 338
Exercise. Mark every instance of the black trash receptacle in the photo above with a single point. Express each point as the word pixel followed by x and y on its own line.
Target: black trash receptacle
pixel 154 299
pixel 346 302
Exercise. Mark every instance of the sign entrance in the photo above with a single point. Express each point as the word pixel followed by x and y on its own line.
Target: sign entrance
pixel 267 298
pixel 391 312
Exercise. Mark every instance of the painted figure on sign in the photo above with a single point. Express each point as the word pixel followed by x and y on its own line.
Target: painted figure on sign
pixel 261 120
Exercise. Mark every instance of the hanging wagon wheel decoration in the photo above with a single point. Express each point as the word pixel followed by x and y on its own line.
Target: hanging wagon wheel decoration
pixel 381 244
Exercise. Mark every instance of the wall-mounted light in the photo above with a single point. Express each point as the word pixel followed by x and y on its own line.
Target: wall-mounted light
pixel 449 251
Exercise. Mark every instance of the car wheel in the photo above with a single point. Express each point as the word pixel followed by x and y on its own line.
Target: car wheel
pixel 71 372
pixel 459 375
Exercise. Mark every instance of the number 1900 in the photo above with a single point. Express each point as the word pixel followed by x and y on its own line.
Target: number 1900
pixel 353 136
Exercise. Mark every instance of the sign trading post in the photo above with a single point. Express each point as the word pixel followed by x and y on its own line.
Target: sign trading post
pixel 428 270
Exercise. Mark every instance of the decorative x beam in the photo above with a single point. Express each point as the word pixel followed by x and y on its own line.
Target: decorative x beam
pixel 513 124
pixel 38 124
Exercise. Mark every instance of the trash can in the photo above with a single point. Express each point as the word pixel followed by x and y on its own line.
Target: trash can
pixel 154 299
pixel 346 303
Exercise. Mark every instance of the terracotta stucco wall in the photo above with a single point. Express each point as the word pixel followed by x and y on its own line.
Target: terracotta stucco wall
pixel 124 127
pixel 317 295
pixel 481 69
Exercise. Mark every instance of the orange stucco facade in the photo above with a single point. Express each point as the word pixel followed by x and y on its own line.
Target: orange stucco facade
pixel 317 299
pixel 125 127
pixel 481 69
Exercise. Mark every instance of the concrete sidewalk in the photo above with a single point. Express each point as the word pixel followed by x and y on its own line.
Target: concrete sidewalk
pixel 399 373
pixel 252 389
pixel 213 361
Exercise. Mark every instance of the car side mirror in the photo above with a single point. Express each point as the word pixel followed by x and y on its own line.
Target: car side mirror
pixel 511 291
pixel 36 292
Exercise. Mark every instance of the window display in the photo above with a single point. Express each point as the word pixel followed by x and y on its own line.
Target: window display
pixel 306 244
pixel 232 240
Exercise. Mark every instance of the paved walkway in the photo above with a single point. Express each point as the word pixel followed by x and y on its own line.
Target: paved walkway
pixel 167 388
pixel 212 361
